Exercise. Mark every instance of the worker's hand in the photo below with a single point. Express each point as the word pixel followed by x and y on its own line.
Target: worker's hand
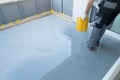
pixel 96 5
pixel 84 16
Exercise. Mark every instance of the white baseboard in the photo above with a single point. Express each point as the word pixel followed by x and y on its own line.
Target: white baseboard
pixel 112 73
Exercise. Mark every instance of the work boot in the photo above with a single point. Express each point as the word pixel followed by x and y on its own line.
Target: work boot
pixel 97 44
pixel 91 48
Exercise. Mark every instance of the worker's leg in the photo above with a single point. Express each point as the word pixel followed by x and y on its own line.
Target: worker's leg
pixel 97 30
pixel 108 22
pixel 102 31
pixel 94 37
pixel 105 18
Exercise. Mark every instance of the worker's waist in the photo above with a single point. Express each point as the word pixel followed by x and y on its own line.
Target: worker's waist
pixel 113 1
pixel 109 4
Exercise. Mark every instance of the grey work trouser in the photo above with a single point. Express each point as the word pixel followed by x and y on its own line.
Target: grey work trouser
pixel 96 36
pixel 100 25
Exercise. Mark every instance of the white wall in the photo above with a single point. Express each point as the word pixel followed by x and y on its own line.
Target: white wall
pixel 78 8
pixel 4 1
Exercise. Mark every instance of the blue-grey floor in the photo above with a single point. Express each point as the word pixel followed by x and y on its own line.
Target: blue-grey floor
pixel 84 64
pixel 50 49
pixel 31 50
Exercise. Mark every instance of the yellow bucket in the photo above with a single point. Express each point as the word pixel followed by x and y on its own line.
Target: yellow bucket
pixel 82 25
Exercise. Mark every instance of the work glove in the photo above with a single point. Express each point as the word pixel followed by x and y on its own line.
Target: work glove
pixel 84 17
pixel 97 6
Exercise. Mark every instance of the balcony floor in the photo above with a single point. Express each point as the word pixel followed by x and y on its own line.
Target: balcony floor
pixel 50 49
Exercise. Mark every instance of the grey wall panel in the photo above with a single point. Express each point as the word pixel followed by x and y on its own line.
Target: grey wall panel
pixel 11 12
pixel 68 7
pixel 44 5
pixel 57 5
pixel 29 7
pixel 0 21
pixel 38 6
pixel 21 9
pixel 1 17
pixel 116 24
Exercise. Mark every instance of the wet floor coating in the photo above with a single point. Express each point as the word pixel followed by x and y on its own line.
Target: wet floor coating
pixel 84 64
